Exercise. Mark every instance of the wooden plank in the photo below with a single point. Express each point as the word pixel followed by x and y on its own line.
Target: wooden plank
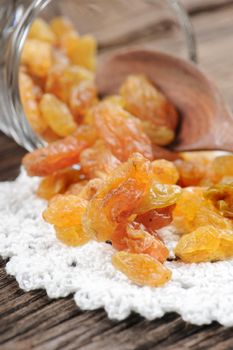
pixel 214 37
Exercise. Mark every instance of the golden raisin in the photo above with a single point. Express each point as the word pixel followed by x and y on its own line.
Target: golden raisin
pixel 76 188
pixel 118 198
pixel 141 242
pixel 155 219
pixel 159 196
pixel 121 234
pixel 60 154
pixel 80 50
pixel 85 52
pixel 40 30
pixel 61 26
pixel 65 213
pixel 82 97
pixel 59 58
pixel 57 115
pixel 65 210
pixel 98 161
pixel 159 135
pixel 58 182
pixel 193 211
pixel 120 131
pixel 61 79
pixel 90 189
pixel 29 102
pixel 221 196
pixel 51 186
pixel 206 243
pixel 165 172
pixel 68 42
pixel 49 135
pixel 115 99
pixel 144 101
pixel 141 269
pixel 72 236
pixel 37 56
pixel 190 173
pixel 221 167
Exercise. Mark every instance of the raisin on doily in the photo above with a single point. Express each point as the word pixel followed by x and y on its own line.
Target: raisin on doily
pixel 142 269
pixel 118 198
pixel 59 182
pixel 193 210
pixel 65 213
pixel 140 241
pixel 221 196
pixel 206 243
pixel 124 185
pixel 155 219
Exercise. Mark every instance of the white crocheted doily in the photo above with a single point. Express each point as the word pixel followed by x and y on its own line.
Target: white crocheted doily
pixel 200 293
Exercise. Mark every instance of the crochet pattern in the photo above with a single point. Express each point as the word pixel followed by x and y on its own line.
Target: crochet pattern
pixel 200 293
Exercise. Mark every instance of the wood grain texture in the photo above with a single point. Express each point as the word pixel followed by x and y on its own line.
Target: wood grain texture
pixel 32 321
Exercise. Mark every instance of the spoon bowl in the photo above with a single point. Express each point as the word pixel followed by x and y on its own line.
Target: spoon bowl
pixel 206 123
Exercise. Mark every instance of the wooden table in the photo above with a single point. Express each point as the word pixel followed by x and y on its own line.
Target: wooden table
pixel 32 321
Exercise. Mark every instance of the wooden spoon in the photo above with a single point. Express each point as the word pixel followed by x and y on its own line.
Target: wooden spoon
pixel 206 122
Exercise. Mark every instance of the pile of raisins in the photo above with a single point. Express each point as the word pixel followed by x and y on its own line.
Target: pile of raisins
pixel 105 171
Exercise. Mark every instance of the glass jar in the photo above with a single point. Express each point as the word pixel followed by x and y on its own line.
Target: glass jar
pixel 158 24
